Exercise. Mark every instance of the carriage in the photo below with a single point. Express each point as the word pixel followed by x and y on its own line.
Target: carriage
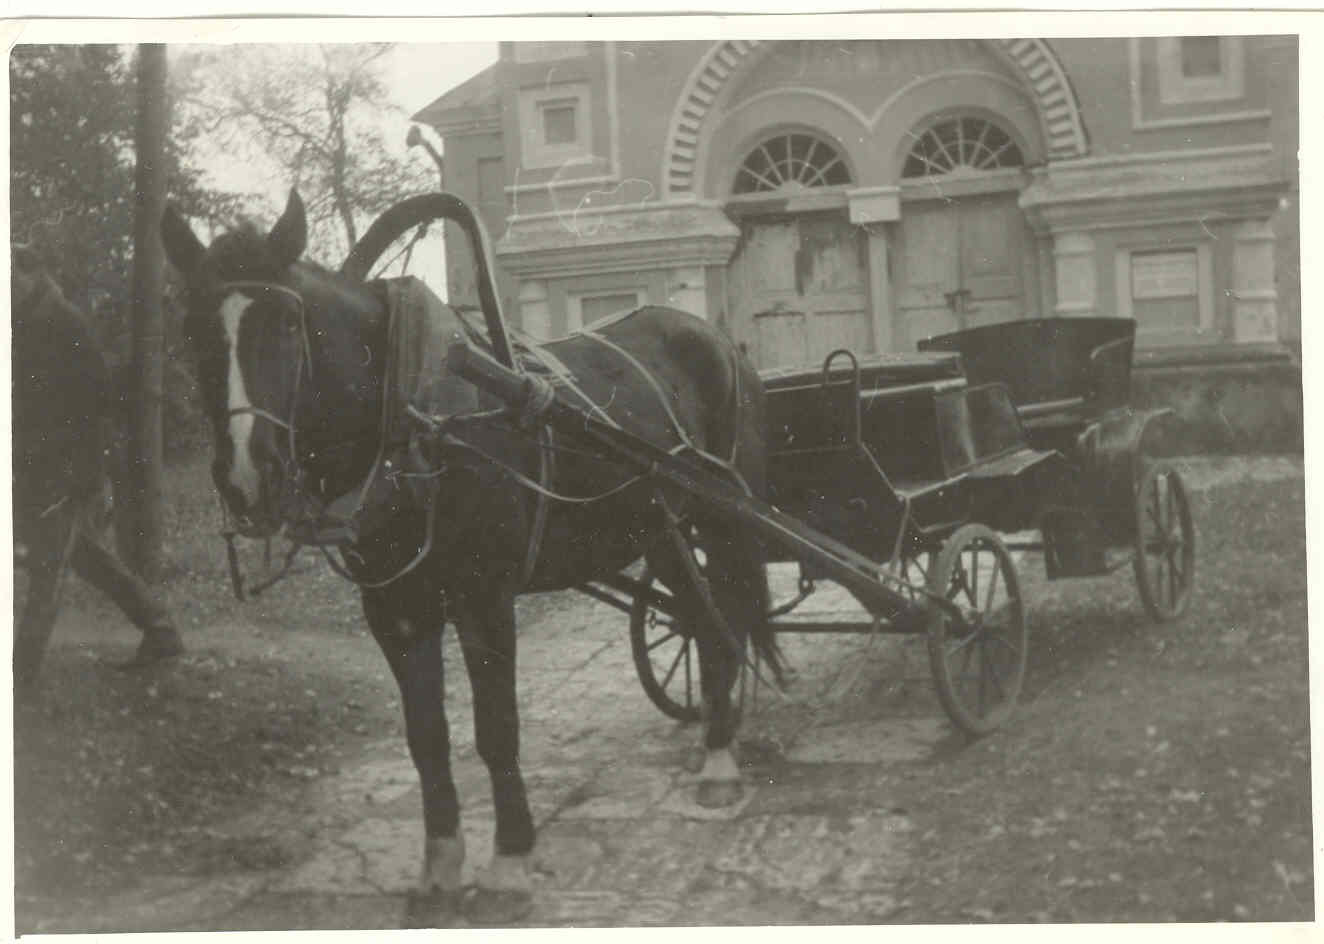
pixel 948 467
pixel 919 482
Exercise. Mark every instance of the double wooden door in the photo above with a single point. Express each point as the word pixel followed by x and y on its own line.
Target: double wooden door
pixel 961 263
pixel 799 289
pixel 799 285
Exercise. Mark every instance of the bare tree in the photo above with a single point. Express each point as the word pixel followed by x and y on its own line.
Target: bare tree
pixel 315 113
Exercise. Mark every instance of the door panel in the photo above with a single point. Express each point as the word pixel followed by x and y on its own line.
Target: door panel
pixel 992 253
pixel 962 263
pixel 929 264
pixel 799 289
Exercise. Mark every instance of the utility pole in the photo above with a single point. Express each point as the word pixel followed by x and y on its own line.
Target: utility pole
pixel 142 525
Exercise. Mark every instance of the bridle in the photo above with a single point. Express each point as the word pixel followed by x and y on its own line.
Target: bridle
pixel 308 516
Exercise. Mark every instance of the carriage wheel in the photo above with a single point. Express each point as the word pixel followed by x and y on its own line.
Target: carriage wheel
pixel 978 660
pixel 1165 543
pixel 666 658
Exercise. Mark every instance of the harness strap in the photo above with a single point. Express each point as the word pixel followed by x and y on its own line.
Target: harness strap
pixel 546 468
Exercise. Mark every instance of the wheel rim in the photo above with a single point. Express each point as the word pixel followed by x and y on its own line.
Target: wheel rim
pixel 1165 546
pixel 979 659
pixel 666 660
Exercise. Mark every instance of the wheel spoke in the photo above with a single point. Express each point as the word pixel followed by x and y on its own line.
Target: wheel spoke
pixel 992 585
pixel 959 645
pixel 669 636
pixel 683 654
pixel 688 685
pixel 980 698
pixel 991 667
pixel 991 638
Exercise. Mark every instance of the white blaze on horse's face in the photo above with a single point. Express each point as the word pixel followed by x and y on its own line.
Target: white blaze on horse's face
pixel 244 474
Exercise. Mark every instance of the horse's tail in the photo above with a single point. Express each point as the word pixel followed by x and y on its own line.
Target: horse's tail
pixel 750 456
pixel 762 635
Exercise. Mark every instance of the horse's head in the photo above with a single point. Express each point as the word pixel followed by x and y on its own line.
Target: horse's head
pixel 289 365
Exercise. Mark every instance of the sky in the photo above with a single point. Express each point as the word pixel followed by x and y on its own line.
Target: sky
pixel 416 74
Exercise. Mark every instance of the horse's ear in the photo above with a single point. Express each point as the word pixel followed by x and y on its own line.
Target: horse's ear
pixel 182 247
pixel 289 237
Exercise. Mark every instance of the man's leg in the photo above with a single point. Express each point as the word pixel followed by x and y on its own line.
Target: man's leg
pixel 49 538
pixel 103 570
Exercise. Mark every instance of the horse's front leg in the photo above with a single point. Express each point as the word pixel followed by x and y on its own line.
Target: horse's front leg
pixel 486 623
pixel 410 637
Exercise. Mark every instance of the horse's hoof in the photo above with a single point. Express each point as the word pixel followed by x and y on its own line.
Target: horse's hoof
pixel 715 794
pixel 435 908
pixel 496 907
pixel 694 761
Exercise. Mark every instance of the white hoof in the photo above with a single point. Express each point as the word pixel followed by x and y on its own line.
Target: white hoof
pixel 443 863
pixel 719 780
pixel 506 873
pixel 504 892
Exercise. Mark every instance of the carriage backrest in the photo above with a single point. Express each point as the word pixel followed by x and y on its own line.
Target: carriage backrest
pixel 1043 360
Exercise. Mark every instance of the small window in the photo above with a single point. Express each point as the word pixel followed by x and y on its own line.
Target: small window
pixel 558 122
pixel 593 307
pixel 1169 292
pixel 1200 69
pixel 556 125
pixel 1201 57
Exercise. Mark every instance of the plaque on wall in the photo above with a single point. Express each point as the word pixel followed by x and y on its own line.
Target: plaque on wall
pixel 1164 275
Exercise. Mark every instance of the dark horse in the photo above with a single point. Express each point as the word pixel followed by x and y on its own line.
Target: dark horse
pixel 291 367
pixel 60 396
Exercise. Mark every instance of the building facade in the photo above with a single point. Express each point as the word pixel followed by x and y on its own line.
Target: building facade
pixel 809 195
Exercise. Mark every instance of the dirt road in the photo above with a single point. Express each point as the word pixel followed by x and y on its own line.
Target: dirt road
pixel 1140 758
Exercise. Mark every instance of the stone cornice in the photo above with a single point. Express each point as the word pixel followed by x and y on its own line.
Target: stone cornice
pixel 479 124
pixel 650 236
pixel 1237 184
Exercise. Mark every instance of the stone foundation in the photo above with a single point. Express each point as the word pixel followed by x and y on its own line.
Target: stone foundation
pixel 1245 406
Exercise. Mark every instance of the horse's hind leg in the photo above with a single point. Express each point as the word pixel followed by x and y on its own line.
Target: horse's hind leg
pixel 736 587
pixel 408 626
pixel 486 624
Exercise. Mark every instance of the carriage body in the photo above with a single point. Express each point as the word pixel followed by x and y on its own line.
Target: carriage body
pixel 1070 382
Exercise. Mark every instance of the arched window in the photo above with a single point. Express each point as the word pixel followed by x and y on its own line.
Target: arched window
pixel 791 161
pixel 961 145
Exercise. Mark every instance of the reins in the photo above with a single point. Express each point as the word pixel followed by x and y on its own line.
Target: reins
pixel 443 428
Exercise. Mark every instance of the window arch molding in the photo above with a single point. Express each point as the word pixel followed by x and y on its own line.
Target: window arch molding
pixel 816 113
pixel 996 104
pixel 1054 113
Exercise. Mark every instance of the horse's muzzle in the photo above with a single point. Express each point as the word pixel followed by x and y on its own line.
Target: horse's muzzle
pixel 261 520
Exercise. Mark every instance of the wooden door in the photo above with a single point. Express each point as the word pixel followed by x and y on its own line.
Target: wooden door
pixel 961 263
pixel 799 289
pixel 994 254
pixel 929 264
